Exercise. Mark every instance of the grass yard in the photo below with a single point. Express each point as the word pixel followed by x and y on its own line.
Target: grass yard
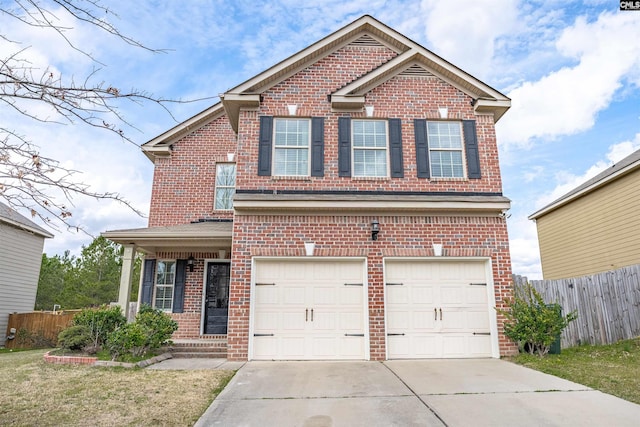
pixel 613 369
pixel 35 393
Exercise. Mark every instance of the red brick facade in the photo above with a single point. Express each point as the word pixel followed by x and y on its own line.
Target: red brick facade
pixel 184 182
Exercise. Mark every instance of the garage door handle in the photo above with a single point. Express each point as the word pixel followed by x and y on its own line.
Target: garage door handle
pixel 435 314
pixel 440 314
pixel 306 314
pixel 312 314
pixel 395 335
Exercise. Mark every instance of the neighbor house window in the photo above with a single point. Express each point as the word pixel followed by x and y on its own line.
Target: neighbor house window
pixel 165 279
pixel 225 186
pixel 291 141
pixel 369 148
pixel 445 149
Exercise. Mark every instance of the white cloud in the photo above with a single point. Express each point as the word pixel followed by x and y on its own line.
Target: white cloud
pixel 567 182
pixel 523 245
pixel 465 33
pixel 567 101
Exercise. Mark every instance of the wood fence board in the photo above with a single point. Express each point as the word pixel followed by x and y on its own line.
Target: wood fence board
pixel 608 304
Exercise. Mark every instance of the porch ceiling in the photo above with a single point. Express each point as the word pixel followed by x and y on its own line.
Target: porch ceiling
pixel 195 237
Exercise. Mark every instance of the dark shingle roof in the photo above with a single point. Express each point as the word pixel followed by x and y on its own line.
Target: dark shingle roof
pixel 10 216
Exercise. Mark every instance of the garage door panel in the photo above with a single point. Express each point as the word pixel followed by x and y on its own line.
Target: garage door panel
pixel 461 310
pixel 423 321
pixel 308 309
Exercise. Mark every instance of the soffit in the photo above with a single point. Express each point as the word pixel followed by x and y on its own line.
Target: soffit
pixel 200 236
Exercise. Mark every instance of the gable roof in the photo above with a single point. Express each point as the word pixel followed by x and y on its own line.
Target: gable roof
pixel 13 218
pixel 412 58
pixel 618 170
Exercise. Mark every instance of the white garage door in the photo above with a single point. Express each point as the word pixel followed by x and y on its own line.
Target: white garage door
pixel 309 310
pixel 437 309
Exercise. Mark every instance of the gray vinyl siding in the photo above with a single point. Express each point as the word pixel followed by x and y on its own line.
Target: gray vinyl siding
pixel 594 233
pixel 20 258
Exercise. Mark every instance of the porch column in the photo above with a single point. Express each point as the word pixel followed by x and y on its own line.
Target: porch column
pixel 126 275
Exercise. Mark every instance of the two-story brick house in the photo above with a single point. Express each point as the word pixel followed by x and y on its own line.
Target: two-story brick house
pixel 344 204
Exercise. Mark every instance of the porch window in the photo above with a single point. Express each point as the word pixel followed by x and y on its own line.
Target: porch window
pixel 165 279
pixel 225 186
pixel 369 148
pixel 291 147
pixel 445 149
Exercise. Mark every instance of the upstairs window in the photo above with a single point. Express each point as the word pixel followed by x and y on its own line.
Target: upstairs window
pixel 165 280
pixel 369 148
pixel 445 149
pixel 225 186
pixel 291 139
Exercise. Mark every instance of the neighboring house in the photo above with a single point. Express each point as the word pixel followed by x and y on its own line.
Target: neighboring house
pixel 21 243
pixel 346 203
pixel 595 227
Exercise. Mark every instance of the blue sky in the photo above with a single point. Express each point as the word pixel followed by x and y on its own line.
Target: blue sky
pixel 571 68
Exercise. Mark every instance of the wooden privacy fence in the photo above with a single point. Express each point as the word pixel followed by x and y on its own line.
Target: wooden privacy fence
pixel 608 304
pixel 37 329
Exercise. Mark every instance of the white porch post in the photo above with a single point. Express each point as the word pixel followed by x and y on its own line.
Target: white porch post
pixel 126 275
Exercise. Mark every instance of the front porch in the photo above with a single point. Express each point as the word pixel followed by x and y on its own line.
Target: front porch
pixel 185 272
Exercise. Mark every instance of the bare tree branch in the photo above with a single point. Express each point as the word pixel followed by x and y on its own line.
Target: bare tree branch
pixel 29 180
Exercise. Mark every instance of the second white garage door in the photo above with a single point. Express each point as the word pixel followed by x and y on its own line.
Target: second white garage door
pixel 309 310
pixel 437 309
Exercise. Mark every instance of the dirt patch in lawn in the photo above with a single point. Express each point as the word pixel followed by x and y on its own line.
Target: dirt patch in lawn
pixel 36 393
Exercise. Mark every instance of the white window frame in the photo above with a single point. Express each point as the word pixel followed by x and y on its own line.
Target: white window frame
pixel 434 149
pixel 164 286
pixel 355 149
pixel 218 187
pixel 277 147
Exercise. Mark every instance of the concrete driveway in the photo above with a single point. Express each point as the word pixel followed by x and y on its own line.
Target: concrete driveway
pixel 484 392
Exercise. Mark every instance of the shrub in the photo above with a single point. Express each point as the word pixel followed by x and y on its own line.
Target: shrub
pixel 532 323
pixel 101 322
pixel 75 338
pixel 152 329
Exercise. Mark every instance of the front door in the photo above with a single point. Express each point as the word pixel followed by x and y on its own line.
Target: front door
pixel 217 298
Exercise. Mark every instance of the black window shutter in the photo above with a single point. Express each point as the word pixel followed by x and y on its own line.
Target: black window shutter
pixel 317 146
pixel 147 281
pixel 178 286
pixel 264 145
pixel 422 148
pixel 395 147
pixel 344 146
pixel 471 147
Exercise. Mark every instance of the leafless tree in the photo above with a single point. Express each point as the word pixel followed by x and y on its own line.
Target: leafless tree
pixel 27 179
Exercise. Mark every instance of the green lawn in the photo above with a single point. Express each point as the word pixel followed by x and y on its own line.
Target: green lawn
pixel 35 393
pixel 613 369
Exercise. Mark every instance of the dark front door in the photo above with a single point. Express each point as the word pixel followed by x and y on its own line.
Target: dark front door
pixel 217 298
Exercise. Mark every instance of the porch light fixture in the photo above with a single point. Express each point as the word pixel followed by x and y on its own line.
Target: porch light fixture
pixel 375 229
pixel 190 262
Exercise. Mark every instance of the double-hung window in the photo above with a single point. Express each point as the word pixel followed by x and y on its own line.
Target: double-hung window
pixel 445 149
pixel 225 186
pixel 369 148
pixel 165 279
pixel 291 139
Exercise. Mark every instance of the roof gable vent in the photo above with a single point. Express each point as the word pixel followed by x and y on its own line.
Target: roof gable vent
pixel 366 40
pixel 416 70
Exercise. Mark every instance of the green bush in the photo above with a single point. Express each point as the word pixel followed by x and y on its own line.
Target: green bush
pixel 75 338
pixel 533 324
pixel 152 329
pixel 101 322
